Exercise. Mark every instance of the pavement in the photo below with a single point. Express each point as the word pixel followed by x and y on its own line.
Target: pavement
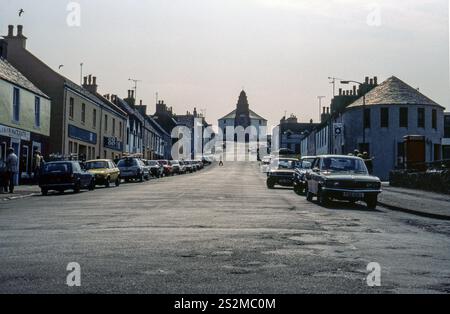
pixel 216 231
pixel 417 202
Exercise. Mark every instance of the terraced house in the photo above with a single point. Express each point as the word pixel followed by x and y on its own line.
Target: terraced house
pixel 24 117
pixel 82 124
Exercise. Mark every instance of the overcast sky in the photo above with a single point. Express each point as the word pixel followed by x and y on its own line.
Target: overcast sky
pixel 201 53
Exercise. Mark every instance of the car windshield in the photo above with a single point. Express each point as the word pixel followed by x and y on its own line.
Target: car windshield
pixel 57 168
pixel 127 163
pixel 96 165
pixel 283 164
pixel 163 162
pixel 337 164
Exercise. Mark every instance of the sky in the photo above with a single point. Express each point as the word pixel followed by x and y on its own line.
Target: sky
pixel 202 53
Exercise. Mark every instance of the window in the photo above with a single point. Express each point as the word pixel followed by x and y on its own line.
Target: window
pixel 106 124
pixel 114 127
pixel 434 119
pixel 447 126
pixel 83 113
pixel 120 129
pixel 367 118
pixel 384 117
pixel 94 118
pixel 403 118
pixel 16 104
pixel 71 107
pixel 37 112
pixel 421 118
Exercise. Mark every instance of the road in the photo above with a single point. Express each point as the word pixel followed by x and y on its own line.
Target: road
pixel 217 231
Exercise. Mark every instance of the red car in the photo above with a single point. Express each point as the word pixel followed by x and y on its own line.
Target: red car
pixel 168 169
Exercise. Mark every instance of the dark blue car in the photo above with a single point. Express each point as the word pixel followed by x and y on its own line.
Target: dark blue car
pixel 65 175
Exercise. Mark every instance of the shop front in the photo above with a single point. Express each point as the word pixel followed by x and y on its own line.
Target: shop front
pixel 25 144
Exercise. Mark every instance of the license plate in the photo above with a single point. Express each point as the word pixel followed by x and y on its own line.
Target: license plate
pixel 353 195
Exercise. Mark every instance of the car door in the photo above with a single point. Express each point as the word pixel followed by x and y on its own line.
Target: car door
pixel 313 177
pixel 112 171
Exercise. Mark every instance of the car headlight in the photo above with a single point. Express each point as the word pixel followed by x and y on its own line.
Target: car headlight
pixel 332 184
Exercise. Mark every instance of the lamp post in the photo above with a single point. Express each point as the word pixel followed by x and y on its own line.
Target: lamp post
pixel 363 109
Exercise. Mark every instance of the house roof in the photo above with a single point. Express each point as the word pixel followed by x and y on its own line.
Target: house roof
pixel 12 75
pixel 394 91
pixel 253 115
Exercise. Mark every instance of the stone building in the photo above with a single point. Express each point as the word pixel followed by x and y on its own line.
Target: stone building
pixel 79 119
pixel 291 132
pixel 243 117
pixel 24 118
pixel 392 111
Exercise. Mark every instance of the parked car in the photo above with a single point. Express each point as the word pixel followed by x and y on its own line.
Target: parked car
pixel 156 169
pixel 168 169
pixel 182 167
pixel 176 169
pixel 304 166
pixel 265 164
pixel 188 166
pixel 342 178
pixel 147 169
pixel 132 168
pixel 105 171
pixel 281 172
pixel 65 175
pixel 200 164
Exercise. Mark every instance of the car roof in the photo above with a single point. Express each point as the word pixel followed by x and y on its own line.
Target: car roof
pixel 99 160
pixel 309 157
pixel 62 162
pixel 286 158
pixel 339 156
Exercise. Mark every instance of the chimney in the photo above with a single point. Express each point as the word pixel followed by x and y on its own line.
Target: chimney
pixel 85 81
pixel 328 110
pixel 354 90
pixel 19 30
pixel 132 94
pixel 10 30
pixel 367 80
pixel 371 81
pixel 140 102
pixel 94 80
pixel 89 79
pixel 375 80
pixel 324 110
pixel 311 121
pixel 340 91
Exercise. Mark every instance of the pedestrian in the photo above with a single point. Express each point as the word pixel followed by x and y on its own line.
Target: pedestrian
pixel 3 177
pixel 38 163
pixel 11 167
pixel 221 161
pixel 368 161
pixel 356 153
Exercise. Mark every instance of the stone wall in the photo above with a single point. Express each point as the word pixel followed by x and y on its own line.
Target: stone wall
pixel 434 181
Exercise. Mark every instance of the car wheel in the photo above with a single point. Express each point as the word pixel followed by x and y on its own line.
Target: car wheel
pixel 108 182
pixel 141 179
pixel 298 189
pixel 372 202
pixel 92 185
pixel 270 184
pixel 118 181
pixel 44 192
pixel 77 188
pixel 323 199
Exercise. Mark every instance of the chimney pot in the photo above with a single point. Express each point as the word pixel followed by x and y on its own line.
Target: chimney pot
pixel 354 90
pixel 375 80
pixel 371 81
pixel 132 94
pixel 19 30
pixel 90 79
pixel 367 80
pixel 328 110
pixel 94 80
pixel 340 91
pixel 85 80
pixel 10 30
pixel 140 102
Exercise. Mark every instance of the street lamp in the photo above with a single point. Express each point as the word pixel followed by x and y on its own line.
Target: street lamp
pixel 363 108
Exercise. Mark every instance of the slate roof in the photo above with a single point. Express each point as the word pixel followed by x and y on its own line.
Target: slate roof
pixel 253 115
pixel 394 91
pixel 12 75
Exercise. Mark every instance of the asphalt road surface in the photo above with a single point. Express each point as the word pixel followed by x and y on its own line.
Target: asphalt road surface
pixel 217 231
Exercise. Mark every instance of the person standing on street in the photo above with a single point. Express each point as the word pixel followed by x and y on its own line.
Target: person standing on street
pixel 38 161
pixel 11 168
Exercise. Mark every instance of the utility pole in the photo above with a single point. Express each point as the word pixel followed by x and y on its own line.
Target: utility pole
pixel 320 106
pixel 135 86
